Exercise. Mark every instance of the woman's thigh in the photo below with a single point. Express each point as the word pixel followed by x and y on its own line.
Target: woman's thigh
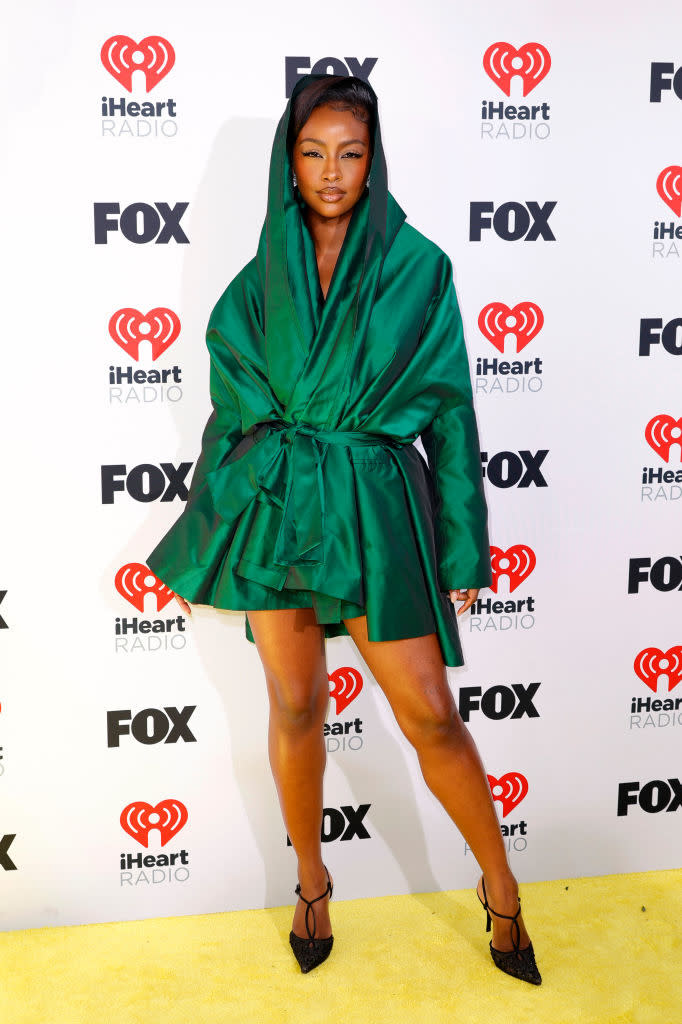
pixel 291 646
pixel 412 674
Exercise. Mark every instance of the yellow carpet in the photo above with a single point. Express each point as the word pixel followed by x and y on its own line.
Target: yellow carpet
pixel 609 950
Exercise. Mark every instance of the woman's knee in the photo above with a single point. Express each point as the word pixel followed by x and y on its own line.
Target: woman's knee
pixel 298 704
pixel 432 717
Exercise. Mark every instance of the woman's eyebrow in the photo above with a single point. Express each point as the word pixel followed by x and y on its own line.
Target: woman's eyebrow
pixel 347 142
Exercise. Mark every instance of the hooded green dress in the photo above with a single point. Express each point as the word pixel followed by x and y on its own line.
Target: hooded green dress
pixel 309 491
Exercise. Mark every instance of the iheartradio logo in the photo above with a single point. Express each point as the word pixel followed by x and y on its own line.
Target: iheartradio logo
pixel 497 320
pixel 509 790
pixel 661 433
pixel 652 663
pixel 139 818
pixel 531 62
pixel 153 55
pixel 134 581
pixel 346 684
pixel 669 188
pixel 160 327
pixel 517 563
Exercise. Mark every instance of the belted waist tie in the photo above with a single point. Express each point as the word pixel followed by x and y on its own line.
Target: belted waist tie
pixel 282 463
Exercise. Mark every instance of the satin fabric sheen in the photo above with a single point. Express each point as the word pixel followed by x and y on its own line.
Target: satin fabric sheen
pixel 309 491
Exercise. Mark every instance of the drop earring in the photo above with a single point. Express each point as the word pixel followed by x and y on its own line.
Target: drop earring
pixel 294 180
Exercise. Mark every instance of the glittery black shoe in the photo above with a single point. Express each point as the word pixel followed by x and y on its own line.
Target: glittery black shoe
pixel 311 952
pixel 520 963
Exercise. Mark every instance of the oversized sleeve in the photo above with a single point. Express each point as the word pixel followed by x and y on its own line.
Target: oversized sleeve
pixel 220 436
pixel 452 447
pixel 189 555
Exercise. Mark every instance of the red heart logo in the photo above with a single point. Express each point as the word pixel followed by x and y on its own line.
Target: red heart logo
pixel 517 562
pixel 669 188
pixel 160 326
pixel 139 818
pixel 652 663
pixel 346 685
pixel 497 320
pixel 531 62
pixel 154 55
pixel 511 787
pixel 662 432
pixel 134 581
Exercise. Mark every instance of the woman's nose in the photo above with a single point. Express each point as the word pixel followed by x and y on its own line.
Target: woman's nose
pixel 331 171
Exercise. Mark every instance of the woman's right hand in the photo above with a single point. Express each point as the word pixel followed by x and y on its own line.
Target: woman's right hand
pixel 183 604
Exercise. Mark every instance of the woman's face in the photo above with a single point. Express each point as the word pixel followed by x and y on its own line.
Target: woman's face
pixel 331 160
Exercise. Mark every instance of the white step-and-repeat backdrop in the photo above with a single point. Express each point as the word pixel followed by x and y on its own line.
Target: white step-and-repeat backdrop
pixel 540 147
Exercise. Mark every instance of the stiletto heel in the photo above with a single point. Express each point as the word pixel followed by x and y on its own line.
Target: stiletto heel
pixel 311 952
pixel 519 963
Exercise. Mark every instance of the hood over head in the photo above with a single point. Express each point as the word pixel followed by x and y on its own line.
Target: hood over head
pixel 294 308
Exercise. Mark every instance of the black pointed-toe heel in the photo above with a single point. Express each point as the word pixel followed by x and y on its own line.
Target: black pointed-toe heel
pixel 311 952
pixel 520 963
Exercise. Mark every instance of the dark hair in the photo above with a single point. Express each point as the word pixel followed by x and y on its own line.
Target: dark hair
pixel 342 92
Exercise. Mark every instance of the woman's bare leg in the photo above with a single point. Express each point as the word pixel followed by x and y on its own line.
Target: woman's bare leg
pixel 412 674
pixel 291 647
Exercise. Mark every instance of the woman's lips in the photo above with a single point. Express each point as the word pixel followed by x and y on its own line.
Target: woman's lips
pixel 331 197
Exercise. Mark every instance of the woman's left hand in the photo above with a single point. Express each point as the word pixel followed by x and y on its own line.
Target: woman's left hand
pixel 468 596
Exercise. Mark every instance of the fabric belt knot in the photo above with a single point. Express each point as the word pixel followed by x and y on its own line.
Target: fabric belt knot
pixel 292 479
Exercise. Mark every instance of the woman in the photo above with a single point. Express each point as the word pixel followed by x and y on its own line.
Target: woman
pixel 310 508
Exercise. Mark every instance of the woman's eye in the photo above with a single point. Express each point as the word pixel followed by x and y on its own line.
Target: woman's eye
pixel 315 152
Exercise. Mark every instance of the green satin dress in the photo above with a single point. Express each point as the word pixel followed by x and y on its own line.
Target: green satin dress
pixel 308 491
